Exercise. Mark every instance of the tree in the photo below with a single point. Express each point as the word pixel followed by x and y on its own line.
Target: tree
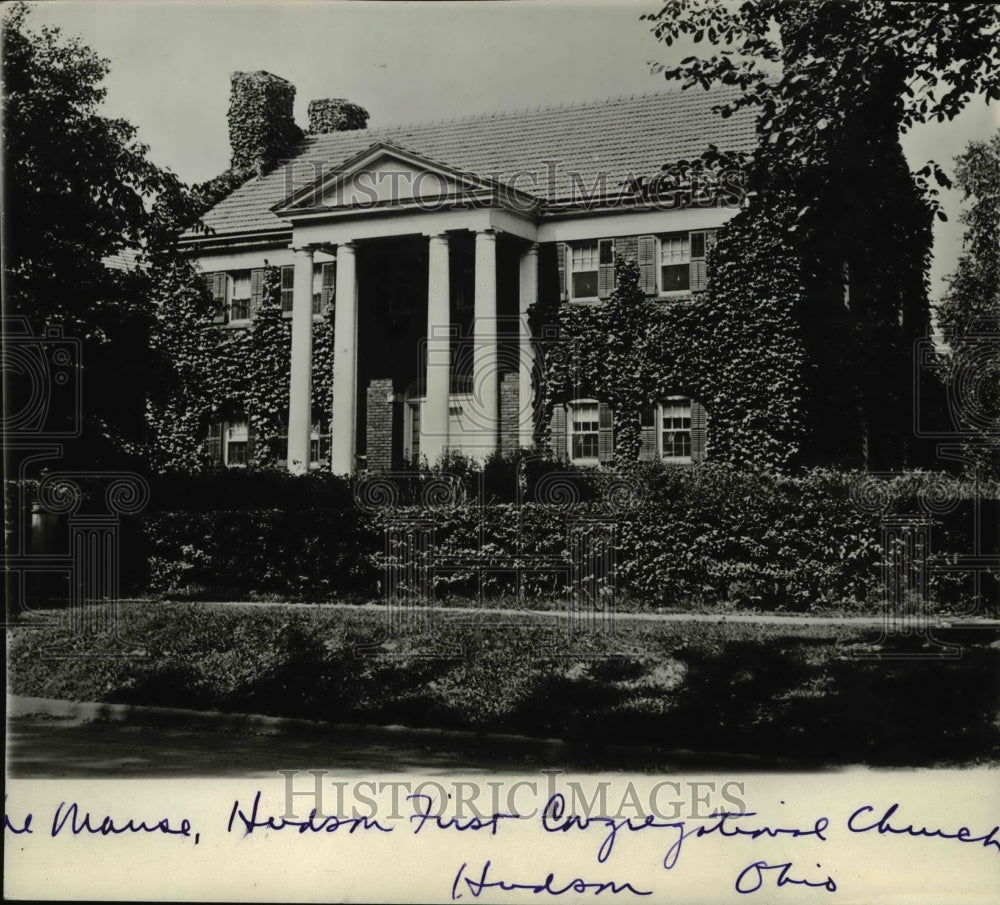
pixel 77 190
pixel 834 84
pixel 969 315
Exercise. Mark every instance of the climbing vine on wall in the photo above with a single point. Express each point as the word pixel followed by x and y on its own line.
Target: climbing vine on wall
pixel 220 373
pixel 737 352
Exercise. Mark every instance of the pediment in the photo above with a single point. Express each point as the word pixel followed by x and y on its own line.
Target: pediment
pixel 384 176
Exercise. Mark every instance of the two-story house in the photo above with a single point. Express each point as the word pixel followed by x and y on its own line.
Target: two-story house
pixel 431 242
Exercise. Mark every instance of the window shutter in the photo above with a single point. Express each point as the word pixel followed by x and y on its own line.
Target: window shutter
pixel 701 244
pixel 213 445
pixel 647 264
pixel 605 268
pixel 218 285
pixel 699 432
pixel 256 290
pixel 606 433
pixel 558 425
pixel 562 259
pixel 329 282
pixel 647 439
pixel 251 438
pixel 287 288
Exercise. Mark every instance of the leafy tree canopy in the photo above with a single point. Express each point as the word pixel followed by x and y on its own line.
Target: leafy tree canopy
pixel 809 65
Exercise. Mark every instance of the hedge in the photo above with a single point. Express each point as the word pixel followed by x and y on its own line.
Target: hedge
pixel 683 536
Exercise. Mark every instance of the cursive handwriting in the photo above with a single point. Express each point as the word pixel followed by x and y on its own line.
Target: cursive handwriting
pixel 555 821
pixel 548 885
pixel 751 878
pixel 108 827
pixel 856 824
pixel 311 824
pixel 724 827
pixel 442 823
pixel 16 829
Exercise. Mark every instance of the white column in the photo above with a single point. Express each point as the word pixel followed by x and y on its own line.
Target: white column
pixel 484 352
pixel 345 363
pixel 300 386
pixel 434 417
pixel 527 297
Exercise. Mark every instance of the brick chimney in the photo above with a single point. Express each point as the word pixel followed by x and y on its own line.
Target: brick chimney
pixel 334 114
pixel 262 127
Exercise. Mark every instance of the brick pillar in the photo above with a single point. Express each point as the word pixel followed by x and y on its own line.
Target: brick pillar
pixel 510 410
pixel 382 407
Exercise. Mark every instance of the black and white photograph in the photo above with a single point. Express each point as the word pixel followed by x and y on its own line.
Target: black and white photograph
pixel 501 451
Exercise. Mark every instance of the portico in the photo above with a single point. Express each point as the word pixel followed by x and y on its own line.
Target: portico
pixel 431 298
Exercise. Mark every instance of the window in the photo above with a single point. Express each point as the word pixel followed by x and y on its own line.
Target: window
pixel 236 442
pixel 585 263
pixel 287 289
pixel 584 432
pixel 319 444
pixel 675 430
pixel 239 307
pixel 412 453
pixel 675 263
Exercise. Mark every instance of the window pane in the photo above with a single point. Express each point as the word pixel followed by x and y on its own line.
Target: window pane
pixel 585 285
pixel 675 277
pixel 584 446
pixel 236 453
pixel 585 257
pixel 674 250
pixel 697 245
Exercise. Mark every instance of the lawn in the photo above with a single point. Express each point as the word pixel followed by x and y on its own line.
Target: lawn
pixel 802 695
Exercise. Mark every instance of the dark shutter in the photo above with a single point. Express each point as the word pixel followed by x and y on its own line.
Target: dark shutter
pixel 647 264
pixel 647 436
pixel 605 268
pixel 562 256
pixel 329 285
pixel 699 432
pixel 558 426
pixel 251 439
pixel 606 433
pixel 218 284
pixel 698 272
pixel 287 288
pixel 213 445
pixel 256 290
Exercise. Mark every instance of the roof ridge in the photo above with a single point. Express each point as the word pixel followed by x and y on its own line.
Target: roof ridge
pixel 541 108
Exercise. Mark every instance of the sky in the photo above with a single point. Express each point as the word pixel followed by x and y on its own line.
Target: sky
pixel 403 62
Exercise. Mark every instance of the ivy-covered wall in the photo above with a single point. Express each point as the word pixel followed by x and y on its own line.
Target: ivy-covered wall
pixel 222 372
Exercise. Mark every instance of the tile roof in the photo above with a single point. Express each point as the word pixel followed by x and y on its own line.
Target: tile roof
pixel 617 137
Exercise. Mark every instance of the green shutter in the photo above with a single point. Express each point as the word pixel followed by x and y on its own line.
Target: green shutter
pixel 218 286
pixel 329 286
pixel 698 275
pixel 606 433
pixel 287 288
pixel 562 261
pixel 699 432
pixel 213 444
pixel 256 290
pixel 558 426
pixel 647 264
pixel 605 268
pixel 647 437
